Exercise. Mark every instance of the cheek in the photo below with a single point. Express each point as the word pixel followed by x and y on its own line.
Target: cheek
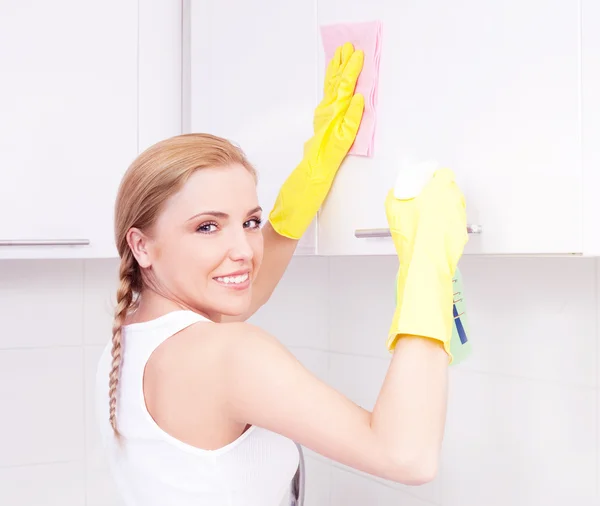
pixel 205 254
pixel 257 245
pixel 181 256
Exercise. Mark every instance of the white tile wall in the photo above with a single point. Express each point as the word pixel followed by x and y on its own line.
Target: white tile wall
pixel 99 290
pixel 523 416
pixel 93 449
pixel 538 317
pixel 57 484
pixel 42 394
pixel 516 441
pixel 318 480
pixel 350 489
pixel 38 296
pixel 297 312
pixel 100 490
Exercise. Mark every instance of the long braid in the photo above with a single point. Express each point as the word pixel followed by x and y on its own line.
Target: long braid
pixel 125 297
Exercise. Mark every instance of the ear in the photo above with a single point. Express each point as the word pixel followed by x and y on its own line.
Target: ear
pixel 140 247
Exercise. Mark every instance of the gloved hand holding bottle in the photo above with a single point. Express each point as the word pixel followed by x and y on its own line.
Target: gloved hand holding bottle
pixel 429 233
pixel 336 122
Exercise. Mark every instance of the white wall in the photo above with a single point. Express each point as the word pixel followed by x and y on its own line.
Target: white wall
pixel 523 416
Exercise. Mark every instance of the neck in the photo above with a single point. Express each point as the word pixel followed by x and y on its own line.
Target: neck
pixel 152 305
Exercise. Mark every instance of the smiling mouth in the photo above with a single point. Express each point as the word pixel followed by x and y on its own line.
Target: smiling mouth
pixel 233 280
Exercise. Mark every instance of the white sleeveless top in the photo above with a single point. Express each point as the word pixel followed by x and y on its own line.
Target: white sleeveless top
pixel 153 468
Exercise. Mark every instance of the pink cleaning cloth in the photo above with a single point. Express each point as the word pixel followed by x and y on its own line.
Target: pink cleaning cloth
pixel 367 37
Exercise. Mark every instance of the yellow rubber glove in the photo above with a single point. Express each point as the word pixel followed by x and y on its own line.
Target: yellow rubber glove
pixel 336 123
pixel 429 234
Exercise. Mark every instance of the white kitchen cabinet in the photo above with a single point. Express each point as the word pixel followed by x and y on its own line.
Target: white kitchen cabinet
pixel 252 79
pixel 490 89
pixel 85 86
pixel 505 93
pixel 590 58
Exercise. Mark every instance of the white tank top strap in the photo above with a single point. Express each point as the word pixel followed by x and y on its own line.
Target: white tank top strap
pixel 153 333
pixel 169 322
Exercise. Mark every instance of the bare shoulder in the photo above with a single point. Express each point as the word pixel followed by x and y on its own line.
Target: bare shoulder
pixel 227 332
pixel 217 344
pixel 232 336
pixel 248 346
pixel 242 358
pixel 245 336
pixel 188 378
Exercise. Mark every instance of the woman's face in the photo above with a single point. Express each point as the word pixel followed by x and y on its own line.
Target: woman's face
pixel 206 247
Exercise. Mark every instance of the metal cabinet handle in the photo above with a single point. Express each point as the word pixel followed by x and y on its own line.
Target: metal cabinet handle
pixel 44 242
pixel 364 233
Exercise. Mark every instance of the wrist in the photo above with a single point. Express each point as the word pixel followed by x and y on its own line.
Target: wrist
pixel 298 201
pixel 424 300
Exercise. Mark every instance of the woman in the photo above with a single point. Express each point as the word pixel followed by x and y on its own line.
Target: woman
pixel 198 407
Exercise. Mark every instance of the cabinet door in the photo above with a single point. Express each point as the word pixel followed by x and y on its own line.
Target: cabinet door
pixel 85 87
pixel 253 81
pixel 490 89
pixel 590 79
pixel 68 125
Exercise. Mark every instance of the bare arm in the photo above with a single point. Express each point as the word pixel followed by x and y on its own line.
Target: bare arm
pixel 400 440
pixel 278 252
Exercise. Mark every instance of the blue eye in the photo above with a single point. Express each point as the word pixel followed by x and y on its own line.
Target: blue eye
pixel 253 223
pixel 205 228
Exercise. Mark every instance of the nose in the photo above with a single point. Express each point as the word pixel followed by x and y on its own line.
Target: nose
pixel 240 250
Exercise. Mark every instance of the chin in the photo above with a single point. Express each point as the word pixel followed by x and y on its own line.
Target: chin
pixel 233 307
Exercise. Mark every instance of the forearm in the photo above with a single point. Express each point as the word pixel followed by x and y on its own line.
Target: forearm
pixel 278 252
pixel 429 234
pixel 410 412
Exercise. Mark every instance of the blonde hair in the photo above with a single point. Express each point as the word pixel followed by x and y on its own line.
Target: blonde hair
pixel 153 177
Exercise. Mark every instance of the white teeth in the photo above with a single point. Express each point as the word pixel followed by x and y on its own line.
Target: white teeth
pixel 233 279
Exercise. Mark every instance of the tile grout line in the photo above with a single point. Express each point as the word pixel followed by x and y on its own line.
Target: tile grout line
pixel 597 396
pixel 84 382
pixel 47 347
pixel 374 479
pixel 38 464
pixel 464 369
pixel 581 386
pixel 329 332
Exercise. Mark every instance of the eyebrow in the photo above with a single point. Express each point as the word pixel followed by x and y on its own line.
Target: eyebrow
pixel 221 214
